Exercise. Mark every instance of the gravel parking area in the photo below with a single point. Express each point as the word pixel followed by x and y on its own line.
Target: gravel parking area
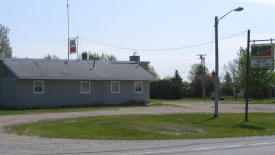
pixel 13 144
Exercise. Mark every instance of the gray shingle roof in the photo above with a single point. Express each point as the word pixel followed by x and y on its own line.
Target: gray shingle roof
pixel 75 70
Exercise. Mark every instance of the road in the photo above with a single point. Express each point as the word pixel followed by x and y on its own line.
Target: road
pixel 226 146
pixel 14 144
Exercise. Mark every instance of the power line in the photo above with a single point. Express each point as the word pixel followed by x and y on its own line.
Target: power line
pixel 163 49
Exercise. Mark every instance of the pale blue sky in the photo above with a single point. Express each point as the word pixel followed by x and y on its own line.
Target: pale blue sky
pixel 38 27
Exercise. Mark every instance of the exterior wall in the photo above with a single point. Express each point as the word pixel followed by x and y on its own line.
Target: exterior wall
pixel 126 93
pixel 57 93
pixel 7 87
pixel 62 93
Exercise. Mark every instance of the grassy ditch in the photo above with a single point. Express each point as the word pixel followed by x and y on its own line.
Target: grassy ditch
pixel 145 127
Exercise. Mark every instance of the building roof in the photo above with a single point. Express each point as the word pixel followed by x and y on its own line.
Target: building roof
pixel 75 70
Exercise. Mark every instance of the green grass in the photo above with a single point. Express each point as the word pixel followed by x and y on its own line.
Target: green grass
pixel 156 103
pixel 77 109
pixel 250 101
pixel 181 100
pixel 53 110
pixel 145 127
pixel 226 101
pixel 262 101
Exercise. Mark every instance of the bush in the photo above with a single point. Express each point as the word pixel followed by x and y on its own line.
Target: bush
pixel 166 89
pixel 134 103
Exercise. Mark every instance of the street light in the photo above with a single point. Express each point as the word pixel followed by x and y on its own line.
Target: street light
pixel 217 59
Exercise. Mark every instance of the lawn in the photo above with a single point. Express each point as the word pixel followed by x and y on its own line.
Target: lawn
pixel 78 109
pixel 53 110
pixel 227 101
pixel 181 100
pixel 251 101
pixel 145 127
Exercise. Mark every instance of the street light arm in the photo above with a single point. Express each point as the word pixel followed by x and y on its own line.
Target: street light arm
pixel 225 15
pixel 237 9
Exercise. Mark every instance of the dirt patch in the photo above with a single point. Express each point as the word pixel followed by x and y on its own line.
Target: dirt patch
pixel 70 122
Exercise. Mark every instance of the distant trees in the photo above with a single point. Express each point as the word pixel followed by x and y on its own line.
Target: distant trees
pixel 177 78
pixel 227 86
pixel 230 78
pixel 195 76
pixel 50 57
pixel 5 49
pixel 102 56
pixel 196 85
pixel 196 69
pixel 233 81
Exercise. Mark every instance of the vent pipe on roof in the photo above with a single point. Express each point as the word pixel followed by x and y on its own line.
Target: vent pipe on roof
pixel 93 67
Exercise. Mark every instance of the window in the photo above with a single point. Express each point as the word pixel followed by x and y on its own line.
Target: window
pixel 138 87
pixel 115 87
pixel 85 87
pixel 38 87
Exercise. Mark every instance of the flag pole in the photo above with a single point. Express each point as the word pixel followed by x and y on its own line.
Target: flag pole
pixel 68 30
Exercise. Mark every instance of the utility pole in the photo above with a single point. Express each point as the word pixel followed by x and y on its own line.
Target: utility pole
pixel 247 76
pixel 77 37
pixel 216 67
pixel 202 57
pixel 68 30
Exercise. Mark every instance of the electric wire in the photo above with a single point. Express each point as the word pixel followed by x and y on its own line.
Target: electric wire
pixel 163 49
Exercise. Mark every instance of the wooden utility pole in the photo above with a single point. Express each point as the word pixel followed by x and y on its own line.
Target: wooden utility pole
pixel 202 57
pixel 68 20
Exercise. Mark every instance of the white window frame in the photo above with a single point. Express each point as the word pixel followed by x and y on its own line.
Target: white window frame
pixel 112 87
pixel 85 92
pixel 135 84
pixel 33 88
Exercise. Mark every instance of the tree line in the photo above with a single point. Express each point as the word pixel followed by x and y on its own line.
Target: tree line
pixel 232 83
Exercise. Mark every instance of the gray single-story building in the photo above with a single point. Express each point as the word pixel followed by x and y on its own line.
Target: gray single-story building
pixel 40 83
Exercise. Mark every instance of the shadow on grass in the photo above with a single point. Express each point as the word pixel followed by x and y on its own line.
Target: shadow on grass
pixel 245 126
pixel 206 120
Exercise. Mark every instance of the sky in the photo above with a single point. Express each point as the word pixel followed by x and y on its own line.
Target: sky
pixel 39 27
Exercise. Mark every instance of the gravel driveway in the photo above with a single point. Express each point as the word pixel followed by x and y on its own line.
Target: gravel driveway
pixel 13 144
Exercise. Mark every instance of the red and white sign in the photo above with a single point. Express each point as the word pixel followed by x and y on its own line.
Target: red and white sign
pixel 72 46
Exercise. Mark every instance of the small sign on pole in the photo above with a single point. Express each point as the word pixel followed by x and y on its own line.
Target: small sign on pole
pixel 72 46
pixel 262 56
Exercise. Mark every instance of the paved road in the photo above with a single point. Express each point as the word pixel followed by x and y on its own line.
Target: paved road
pixel 13 144
pixel 225 146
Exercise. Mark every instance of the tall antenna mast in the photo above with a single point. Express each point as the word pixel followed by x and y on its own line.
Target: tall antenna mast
pixel 68 30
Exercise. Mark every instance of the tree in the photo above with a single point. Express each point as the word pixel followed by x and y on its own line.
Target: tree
pixel 177 78
pixel 103 56
pixel 232 70
pixel 259 80
pixel 50 57
pixel 227 88
pixel 196 69
pixel 5 49
pixel 152 71
pixel 196 86
pixel 213 73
